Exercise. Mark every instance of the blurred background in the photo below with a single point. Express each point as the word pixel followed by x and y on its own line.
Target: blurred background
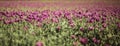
pixel 39 3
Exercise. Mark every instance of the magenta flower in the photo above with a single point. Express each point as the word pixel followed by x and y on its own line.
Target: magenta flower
pixel 81 29
pixel 91 28
pixel 58 28
pixel 39 43
pixel 1 19
pixel 17 20
pixel 39 24
pixel 29 20
pixel 67 13
pixel 12 20
pixel 2 13
pixel 73 36
pixel 104 25
pixel 72 24
pixel 70 21
pixel 95 40
pixel 25 28
pixel 19 13
pixel 103 21
pixel 33 33
pixel 35 16
pixel 118 25
pixel 101 29
pixel 45 12
pixel 7 22
pixel 68 17
pixel 30 16
pixel 57 13
pixel 55 20
pixel 97 18
pixel 84 40
pixel 90 20
pixel 75 43
pixel 22 17
pixel 104 18
pixel 8 15
pixel 88 14
pixel 107 45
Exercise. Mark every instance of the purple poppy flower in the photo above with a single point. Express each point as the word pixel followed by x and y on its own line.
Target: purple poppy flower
pixel 39 24
pixel 11 14
pixel 39 43
pixel 66 13
pixel 55 20
pixel 68 17
pixel 8 15
pixel 71 23
pixel 75 43
pixel 91 28
pixel 73 36
pixel 104 25
pixel 58 28
pixel 35 16
pixel 30 16
pixel 1 19
pixel 36 19
pixel 97 18
pixel 118 24
pixel 90 20
pixel 29 20
pixel 22 17
pixel 107 45
pixel 2 13
pixel 103 21
pixel 57 13
pixel 84 40
pixel 25 28
pixel 7 22
pixel 19 13
pixel 88 14
pixel 104 18
pixel 77 14
pixel 95 40
pixel 12 20
pixel 81 29
pixel 101 29
pixel 35 13
pixel 17 20
pixel 45 12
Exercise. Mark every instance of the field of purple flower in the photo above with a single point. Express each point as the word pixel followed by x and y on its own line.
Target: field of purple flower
pixel 60 27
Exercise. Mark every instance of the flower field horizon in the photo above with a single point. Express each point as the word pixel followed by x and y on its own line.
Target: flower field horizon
pixel 59 24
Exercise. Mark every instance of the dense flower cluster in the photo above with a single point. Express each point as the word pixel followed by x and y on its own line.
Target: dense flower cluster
pixel 84 26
